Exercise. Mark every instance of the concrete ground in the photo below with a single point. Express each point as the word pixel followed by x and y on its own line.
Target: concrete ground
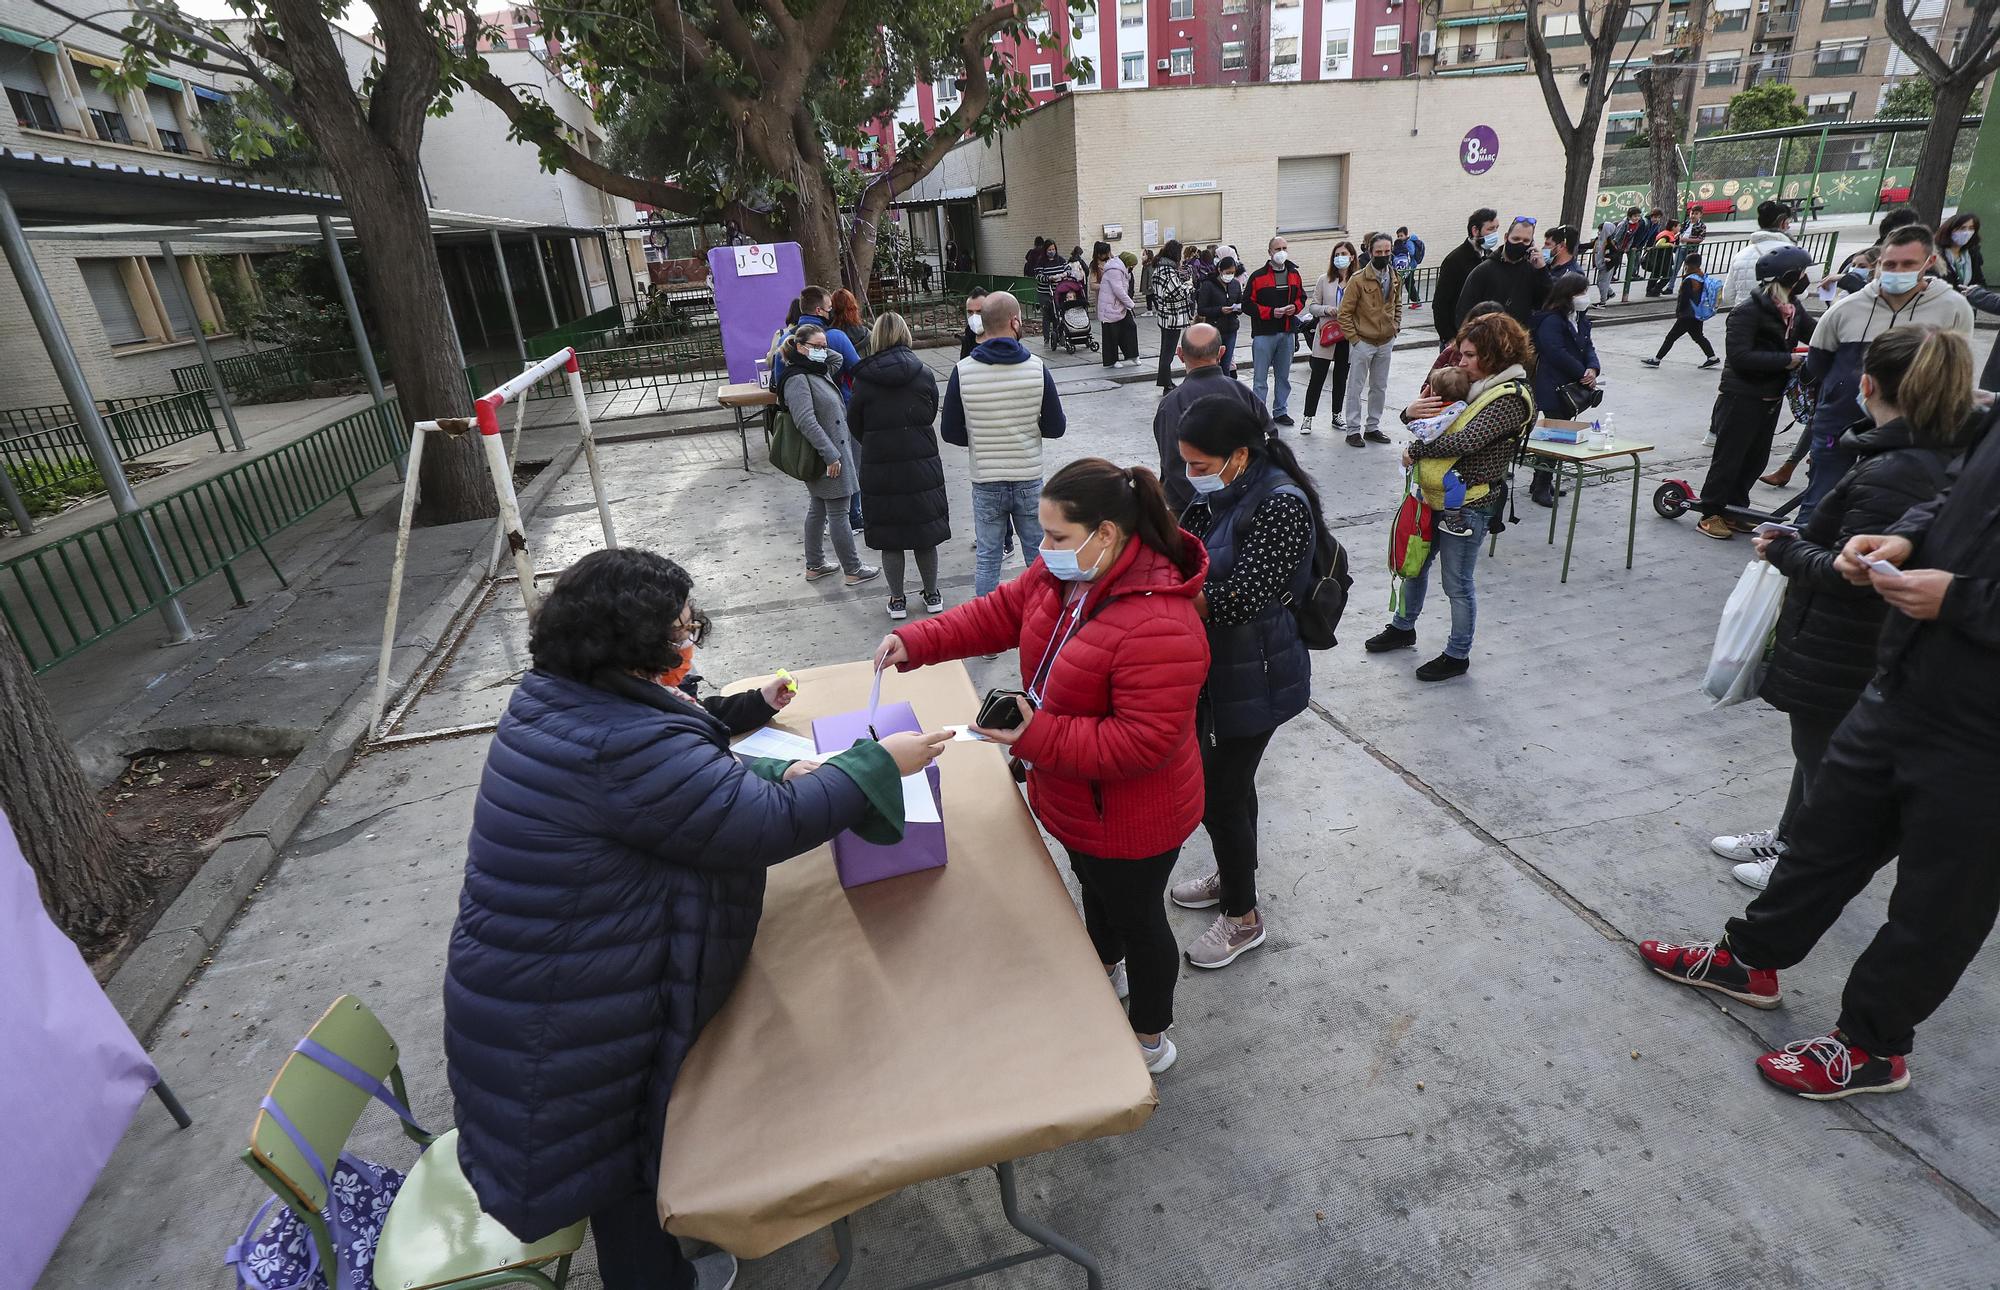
pixel 1445 1067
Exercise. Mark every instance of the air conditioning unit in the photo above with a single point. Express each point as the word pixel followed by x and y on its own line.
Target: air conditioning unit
pixel 1163 64
pixel 1427 44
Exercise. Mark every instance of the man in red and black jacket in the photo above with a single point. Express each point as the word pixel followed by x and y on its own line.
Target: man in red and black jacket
pixel 1276 295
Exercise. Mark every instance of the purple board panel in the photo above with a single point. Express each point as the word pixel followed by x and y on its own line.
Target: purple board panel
pixel 752 305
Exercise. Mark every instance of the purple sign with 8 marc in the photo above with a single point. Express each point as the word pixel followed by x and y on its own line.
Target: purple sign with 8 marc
pixel 1479 150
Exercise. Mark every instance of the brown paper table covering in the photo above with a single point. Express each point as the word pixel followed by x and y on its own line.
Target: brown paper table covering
pixel 905 1030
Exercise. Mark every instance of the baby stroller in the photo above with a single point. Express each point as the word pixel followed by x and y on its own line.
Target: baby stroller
pixel 1072 315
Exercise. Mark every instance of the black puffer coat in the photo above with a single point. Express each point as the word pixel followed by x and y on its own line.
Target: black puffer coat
pixel 1827 633
pixel 890 417
pixel 1758 346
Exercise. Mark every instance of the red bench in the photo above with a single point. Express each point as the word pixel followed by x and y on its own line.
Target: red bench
pixel 1710 207
pixel 1894 196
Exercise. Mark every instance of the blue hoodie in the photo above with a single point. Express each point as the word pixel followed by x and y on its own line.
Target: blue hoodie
pixel 837 341
pixel 1001 349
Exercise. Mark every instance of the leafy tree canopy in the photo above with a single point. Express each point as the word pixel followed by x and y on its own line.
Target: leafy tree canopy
pixel 1766 107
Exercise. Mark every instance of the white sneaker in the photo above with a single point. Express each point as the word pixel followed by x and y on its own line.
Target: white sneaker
pixel 1157 1059
pixel 1761 845
pixel 1305 425
pixel 715 1271
pixel 1755 874
pixel 1708 440
pixel 1120 986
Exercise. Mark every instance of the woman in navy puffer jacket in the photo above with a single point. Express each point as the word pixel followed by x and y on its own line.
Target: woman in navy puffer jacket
pixel 613 882
pixel 1564 355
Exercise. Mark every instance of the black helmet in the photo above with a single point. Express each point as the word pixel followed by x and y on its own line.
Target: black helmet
pixel 1774 266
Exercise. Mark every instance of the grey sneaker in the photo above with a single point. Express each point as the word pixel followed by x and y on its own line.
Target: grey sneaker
pixel 1225 941
pixel 715 1271
pixel 1202 893
pixel 814 572
pixel 1157 1059
pixel 866 573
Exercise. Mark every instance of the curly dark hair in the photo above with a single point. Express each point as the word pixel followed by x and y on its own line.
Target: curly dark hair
pixel 611 610
pixel 1500 342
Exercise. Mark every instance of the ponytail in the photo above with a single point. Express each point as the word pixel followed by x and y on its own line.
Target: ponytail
pixel 1220 424
pixel 1093 490
pixel 1926 374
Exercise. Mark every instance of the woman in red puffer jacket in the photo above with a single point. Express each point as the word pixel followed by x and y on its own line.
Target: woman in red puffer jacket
pixel 1113 655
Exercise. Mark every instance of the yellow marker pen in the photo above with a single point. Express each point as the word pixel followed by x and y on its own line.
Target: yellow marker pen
pixel 786 677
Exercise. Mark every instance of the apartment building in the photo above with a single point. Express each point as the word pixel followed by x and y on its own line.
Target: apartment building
pixel 1836 54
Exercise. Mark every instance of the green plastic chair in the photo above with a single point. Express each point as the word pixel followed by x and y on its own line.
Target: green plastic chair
pixel 435 1235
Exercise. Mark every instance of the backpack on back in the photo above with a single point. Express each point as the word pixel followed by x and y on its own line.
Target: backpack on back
pixel 1318 612
pixel 1711 296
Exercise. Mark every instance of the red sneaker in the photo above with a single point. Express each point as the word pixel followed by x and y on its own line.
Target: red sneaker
pixel 1706 965
pixel 1827 1068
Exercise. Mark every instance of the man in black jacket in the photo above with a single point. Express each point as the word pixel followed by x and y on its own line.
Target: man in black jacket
pixel 1201 354
pixel 1512 278
pixel 1482 235
pixel 1910 773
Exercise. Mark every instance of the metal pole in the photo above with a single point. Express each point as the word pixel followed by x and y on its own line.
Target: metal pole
pixel 24 523
pixel 582 276
pixel 35 290
pixel 472 293
pixel 1882 180
pixel 542 272
pixel 611 274
pixel 403 521
pixel 201 347
pixel 362 349
pixel 507 293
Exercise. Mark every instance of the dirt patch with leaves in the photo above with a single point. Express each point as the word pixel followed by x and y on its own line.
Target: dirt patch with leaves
pixel 172 809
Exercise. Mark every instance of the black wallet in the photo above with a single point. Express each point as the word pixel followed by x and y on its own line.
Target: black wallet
pixel 998 711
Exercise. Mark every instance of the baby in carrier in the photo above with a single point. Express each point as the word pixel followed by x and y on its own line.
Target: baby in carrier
pixel 1435 475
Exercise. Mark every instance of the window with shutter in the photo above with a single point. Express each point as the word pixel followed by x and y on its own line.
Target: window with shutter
pixel 1309 193
pixel 114 304
pixel 173 294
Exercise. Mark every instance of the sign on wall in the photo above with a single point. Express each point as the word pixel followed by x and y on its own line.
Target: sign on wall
pixel 1182 186
pixel 750 303
pixel 1479 150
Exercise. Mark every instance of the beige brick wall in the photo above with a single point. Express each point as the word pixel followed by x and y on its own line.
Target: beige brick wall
pixel 1085 161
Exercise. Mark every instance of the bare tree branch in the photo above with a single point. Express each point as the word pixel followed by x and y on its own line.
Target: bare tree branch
pixel 1545 73
pixel 1913 44
pixel 408 82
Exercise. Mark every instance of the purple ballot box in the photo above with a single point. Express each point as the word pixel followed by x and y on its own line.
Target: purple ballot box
pixel 922 846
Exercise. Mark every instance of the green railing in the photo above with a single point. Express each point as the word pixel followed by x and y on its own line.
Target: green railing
pixel 274 375
pixel 75 591
pixel 59 453
pixel 545 343
pixel 15 422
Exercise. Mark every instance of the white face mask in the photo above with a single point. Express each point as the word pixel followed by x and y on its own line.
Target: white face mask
pixel 1579 305
pixel 817 353
pixel 1961 237
pixel 975 324
pixel 1279 256
pixel 1342 261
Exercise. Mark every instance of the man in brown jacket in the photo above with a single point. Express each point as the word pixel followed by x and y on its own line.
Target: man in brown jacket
pixel 1371 313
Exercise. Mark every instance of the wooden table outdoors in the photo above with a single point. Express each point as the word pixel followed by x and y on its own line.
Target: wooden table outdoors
pixel 740 398
pixel 910 1029
pixel 1593 461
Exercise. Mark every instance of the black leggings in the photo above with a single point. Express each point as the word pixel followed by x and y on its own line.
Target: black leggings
pixel 1811 733
pixel 1125 912
pixel 892 569
pixel 1320 366
pixel 1229 812
pixel 634 1252
pixel 1169 338
pixel 1685 327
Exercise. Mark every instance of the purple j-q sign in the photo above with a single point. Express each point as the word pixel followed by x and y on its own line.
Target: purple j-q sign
pixel 1479 150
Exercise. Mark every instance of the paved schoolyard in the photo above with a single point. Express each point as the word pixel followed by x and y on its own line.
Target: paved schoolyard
pixel 1445 1068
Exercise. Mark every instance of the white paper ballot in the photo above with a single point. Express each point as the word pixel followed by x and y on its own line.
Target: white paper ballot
pixel 874 699
pixel 966 734
pixel 919 807
pixel 768 742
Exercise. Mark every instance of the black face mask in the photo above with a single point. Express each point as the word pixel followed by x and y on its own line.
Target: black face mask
pixel 1513 250
pixel 1380 262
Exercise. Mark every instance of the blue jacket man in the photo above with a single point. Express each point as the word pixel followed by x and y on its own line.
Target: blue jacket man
pixel 812 309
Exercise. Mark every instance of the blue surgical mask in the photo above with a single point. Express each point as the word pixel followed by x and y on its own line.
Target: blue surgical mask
pixel 1065 565
pixel 1490 240
pixel 1207 485
pixel 1342 261
pixel 1895 284
pixel 1861 401
pixel 817 353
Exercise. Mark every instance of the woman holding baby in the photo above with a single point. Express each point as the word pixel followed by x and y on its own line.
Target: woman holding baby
pixel 1478 447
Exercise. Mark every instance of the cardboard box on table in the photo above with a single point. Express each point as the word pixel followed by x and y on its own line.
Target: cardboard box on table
pixel 903 1030
pixel 923 845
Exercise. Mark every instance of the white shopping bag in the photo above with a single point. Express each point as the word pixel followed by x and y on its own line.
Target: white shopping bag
pixel 1742 640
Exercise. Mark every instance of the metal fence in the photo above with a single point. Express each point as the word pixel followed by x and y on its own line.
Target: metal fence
pixel 57 454
pixel 75 591
pixel 19 421
pixel 274 375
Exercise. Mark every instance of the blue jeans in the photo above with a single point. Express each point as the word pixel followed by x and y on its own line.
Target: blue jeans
pixel 994 506
pixel 1457 557
pixel 1272 354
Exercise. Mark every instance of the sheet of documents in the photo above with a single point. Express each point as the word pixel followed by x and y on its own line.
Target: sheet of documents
pixel 770 742
pixel 919 807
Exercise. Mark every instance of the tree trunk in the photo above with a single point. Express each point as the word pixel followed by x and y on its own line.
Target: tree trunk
pixel 816 224
pixel 1933 171
pixel 406 282
pixel 1580 167
pixel 1661 86
pixel 76 857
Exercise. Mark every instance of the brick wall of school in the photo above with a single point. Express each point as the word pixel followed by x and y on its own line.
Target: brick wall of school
pixel 1235 135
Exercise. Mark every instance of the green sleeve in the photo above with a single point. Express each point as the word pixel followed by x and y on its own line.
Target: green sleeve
pixel 869 765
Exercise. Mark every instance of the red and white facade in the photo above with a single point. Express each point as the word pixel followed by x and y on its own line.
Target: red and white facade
pixel 1145 44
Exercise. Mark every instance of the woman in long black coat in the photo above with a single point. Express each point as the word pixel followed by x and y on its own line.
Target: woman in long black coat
pixel 891 417
pixel 1918 385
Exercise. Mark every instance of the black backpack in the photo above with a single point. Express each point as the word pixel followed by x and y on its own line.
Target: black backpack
pixel 1318 614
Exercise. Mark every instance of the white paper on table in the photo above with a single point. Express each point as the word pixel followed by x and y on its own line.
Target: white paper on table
pixel 919 807
pixel 784 746
pixel 966 734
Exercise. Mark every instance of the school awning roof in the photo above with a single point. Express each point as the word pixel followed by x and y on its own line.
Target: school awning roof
pixel 1498 69
pixel 1480 20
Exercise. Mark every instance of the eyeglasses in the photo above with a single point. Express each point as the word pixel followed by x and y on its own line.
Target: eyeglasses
pixel 1529 220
